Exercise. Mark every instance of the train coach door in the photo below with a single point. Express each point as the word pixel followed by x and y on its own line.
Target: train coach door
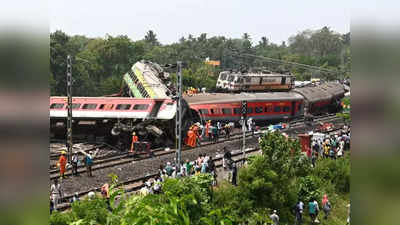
pixel 283 81
pixel 293 109
pixel 155 109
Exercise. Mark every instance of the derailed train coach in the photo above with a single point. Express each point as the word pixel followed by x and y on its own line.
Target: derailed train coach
pixel 324 98
pixel 115 118
pixel 269 106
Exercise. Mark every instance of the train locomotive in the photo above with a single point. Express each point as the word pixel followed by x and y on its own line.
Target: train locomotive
pixel 257 81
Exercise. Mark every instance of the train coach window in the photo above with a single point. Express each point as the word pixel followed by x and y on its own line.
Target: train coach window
pixel 277 109
pixel 249 110
pixel 140 106
pixel 89 106
pixel 226 111
pixel 106 106
pixel 231 78
pixel 123 106
pixel 268 109
pixel 215 111
pixel 203 111
pixel 223 76
pixel 236 111
pixel 76 106
pixel 286 108
pixel 57 106
pixel 299 107
pixel 248 79
pixel 259 109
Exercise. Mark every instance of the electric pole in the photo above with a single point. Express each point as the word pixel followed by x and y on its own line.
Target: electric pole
pixel 178 119
pixel 244 115
pixel 69 119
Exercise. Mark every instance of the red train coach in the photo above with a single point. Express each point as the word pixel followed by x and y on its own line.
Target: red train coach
pixel 260 106
pixel 113 108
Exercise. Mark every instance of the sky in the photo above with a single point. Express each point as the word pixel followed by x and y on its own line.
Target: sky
pixel 172 19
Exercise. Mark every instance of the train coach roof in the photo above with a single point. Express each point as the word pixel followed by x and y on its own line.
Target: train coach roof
pixel 313 94
pixel 225 97
pixel 333 88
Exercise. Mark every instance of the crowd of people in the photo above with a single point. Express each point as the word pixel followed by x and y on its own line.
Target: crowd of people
pixel 330 146
pixel 203 164
pixel 198 133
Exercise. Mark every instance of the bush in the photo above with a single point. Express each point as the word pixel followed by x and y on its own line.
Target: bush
pixel 336 172
pixel 57 218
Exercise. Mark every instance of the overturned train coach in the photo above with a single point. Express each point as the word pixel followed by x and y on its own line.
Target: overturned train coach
pixel 269 106
pixel 115 118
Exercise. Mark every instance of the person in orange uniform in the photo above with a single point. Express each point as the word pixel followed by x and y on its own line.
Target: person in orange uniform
pixel 62 162
pixel 196 132
pixel 134 140
pixel 191 138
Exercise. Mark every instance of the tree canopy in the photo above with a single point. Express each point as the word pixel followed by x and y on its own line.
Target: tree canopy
pixel 99 63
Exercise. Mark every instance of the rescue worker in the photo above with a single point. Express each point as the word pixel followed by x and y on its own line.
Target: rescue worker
pixel 135 139
pixel 191 139
pixel 62 163
pixel 196 133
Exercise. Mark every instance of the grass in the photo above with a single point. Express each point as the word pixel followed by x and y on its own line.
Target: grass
pixel 338 214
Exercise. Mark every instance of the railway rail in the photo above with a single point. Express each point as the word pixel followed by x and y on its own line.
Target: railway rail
pixel 135 184
pixel 126 157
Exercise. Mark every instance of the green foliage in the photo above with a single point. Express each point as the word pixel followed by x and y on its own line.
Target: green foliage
pixel 91 210
pixel 309 188
pixel 58 218
pixel 336 172
pixel 98 63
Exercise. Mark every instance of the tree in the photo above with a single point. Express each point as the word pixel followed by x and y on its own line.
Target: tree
pixel 151 38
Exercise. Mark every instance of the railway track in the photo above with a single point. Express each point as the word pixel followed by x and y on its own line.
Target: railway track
pixel 135 184
pixel 132 184
pixel 125 157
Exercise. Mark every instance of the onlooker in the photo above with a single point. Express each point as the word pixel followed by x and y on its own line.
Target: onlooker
pixel 312 210
pixel 56 193
pixel 299 212
pixel 234 173
pixel 89 163
pixel 317 211
pixel 348 217
pixel 75 198
pixel 51 205
pixel 326 206
pixel 274 217
pixel 168 169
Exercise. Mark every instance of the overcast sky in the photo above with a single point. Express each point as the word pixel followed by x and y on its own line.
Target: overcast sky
pixel 172 19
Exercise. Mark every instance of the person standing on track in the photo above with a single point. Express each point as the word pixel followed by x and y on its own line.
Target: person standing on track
pixel 135 139
pixel 207 130
pixel 89 161
pixel 62 163
pixel 75 161
pixel 56 193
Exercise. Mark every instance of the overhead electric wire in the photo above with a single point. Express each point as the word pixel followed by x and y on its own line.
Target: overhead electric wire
pixel 278 61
